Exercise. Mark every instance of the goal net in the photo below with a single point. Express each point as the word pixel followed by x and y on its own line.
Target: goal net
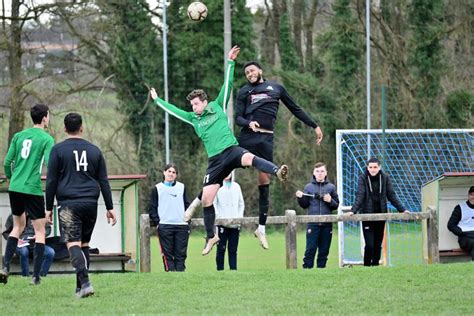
pixel 412 158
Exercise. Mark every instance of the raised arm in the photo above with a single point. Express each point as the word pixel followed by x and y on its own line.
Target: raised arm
pixel 226 89
pixel 170 108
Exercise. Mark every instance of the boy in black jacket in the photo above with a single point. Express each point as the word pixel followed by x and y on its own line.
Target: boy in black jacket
pixel 374 188
pixel 320 198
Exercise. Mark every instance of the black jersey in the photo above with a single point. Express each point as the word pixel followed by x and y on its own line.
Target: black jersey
pixel 77 172
pixel 260 103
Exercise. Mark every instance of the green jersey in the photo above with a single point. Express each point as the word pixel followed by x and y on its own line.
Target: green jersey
pixel 28 149
pixel 212 125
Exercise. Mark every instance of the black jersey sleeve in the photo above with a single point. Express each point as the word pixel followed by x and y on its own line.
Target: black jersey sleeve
pixel 185 199
pixel 52 179
pixel 153 209
pixel 241 104
pixel 453 221
pixel 295 109
pixel 104 184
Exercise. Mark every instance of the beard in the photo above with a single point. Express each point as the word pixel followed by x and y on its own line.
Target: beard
pixel 257 81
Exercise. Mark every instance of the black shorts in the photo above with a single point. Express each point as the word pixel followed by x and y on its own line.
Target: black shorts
pixel 221 165
pixel 33 205
pixel 77 221
pixel 259 144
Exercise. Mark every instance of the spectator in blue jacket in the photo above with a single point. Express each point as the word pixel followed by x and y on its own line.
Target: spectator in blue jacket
pixel 320 198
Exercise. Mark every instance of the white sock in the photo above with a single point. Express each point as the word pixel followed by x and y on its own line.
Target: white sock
pixel 261 228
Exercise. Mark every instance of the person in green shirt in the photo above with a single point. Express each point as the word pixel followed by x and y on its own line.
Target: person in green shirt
pixel 23 163
pixel 210 124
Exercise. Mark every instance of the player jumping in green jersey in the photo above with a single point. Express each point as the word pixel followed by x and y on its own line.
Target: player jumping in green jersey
pixel 26 154
pixel 210 124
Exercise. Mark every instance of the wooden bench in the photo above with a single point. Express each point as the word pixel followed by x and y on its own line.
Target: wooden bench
pixel 101 262
pixel 454 255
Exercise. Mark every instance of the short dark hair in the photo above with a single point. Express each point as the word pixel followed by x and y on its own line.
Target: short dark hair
pixel 37 112
pixel 471 189
pixel 198 93
pixel 254 63
pixel 171 165
pixel 72 122
pixel 373 160
pixel 319 165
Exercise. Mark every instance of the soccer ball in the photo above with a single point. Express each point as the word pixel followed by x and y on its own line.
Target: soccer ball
pixel 197 11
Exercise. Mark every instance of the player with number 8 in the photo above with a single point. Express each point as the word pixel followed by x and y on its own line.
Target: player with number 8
pixel 26 154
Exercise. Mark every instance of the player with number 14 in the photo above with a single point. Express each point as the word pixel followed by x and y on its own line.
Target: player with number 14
pixel 76 174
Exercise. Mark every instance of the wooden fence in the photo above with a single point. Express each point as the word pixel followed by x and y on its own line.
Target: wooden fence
pixel 291 219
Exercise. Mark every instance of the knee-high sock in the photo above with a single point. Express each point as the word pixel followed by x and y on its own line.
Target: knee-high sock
pixel 209 219
pixel 85 250
pixel 264 165
pixel 12 243
pixel 78 261
pixel 38 255
pixel 263 203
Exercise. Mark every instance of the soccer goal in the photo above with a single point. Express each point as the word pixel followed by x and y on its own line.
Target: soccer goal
pixel 412 158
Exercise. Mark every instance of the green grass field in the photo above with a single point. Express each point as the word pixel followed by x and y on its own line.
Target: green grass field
pixel 262 285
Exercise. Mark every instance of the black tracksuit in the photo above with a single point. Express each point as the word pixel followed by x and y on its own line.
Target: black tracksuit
pixel 170 202
pixel 318 235
pixel 372 195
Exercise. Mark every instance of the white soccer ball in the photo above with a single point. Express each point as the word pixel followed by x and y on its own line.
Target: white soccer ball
pixel 197 11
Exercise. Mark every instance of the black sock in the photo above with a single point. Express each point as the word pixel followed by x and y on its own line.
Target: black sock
pixel 78 261
pixel 264 165
pixel 12 243
pixel 263 203
pixel 85 250
pixel 38 254
pixel 209 219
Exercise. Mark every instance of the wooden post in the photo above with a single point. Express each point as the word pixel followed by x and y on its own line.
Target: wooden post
pixel 433 236
pixel 145 252
pixel 290 237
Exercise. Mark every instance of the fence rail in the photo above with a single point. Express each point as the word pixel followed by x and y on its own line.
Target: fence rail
pixel 291 220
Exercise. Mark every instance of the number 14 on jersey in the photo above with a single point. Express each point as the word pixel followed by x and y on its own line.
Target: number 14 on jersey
pixel 82 161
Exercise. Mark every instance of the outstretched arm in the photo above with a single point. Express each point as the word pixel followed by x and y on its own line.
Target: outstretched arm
pixel 170 108
pixel 297 111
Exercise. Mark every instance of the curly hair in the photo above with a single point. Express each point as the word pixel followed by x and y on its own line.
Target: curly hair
pixel 198 93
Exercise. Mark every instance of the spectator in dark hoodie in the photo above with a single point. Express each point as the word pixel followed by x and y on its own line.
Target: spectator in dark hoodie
pixel 320 198
pixel 374 188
